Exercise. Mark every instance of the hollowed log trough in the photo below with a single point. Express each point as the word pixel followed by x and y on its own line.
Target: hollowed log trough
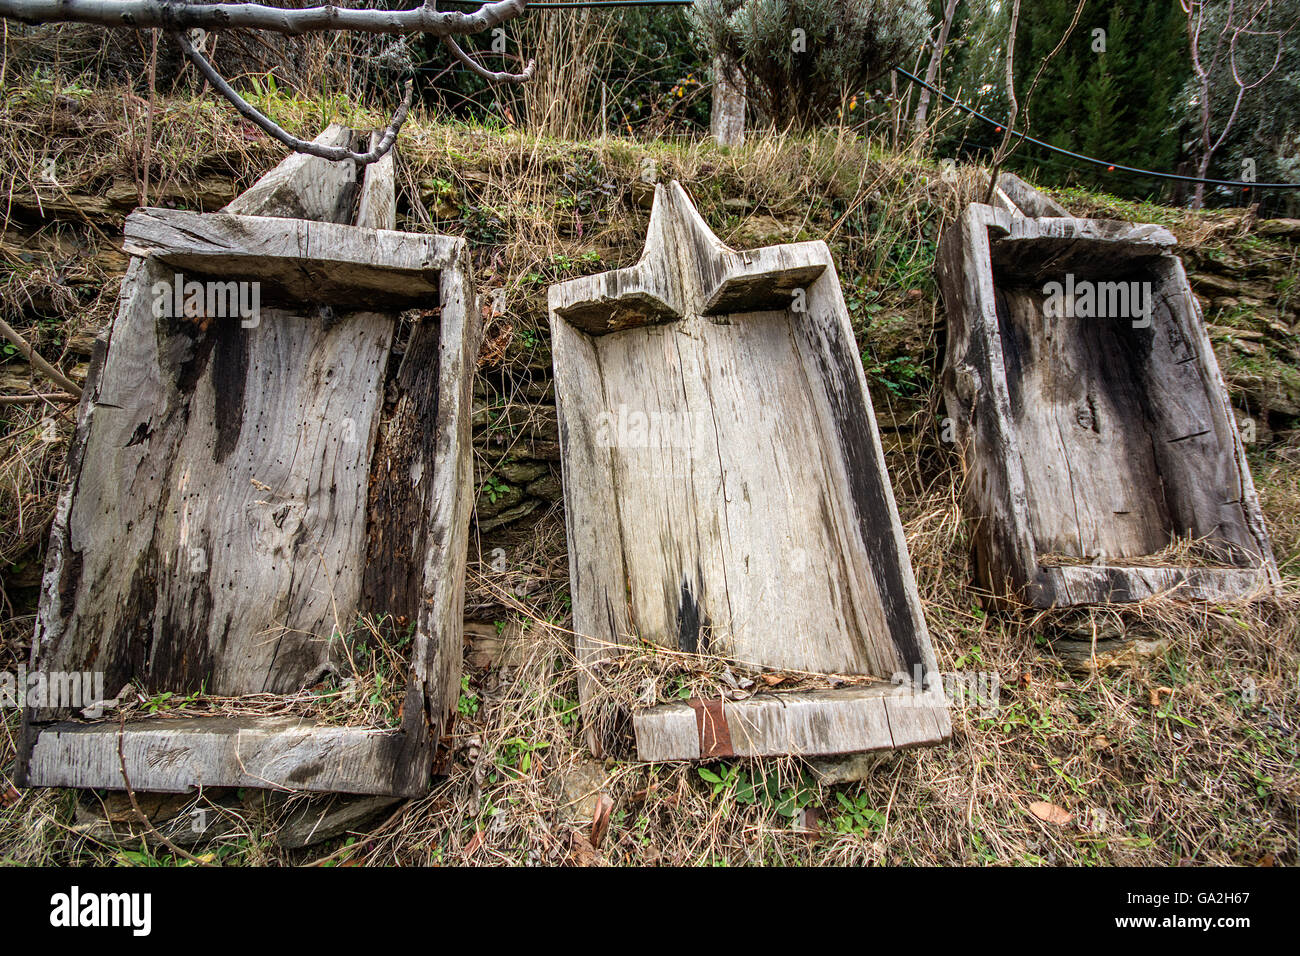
pixel 1103 460
pixel 241 492
pixel 726 495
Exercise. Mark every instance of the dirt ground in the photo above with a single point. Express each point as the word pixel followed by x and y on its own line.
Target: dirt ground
pixel 1158 734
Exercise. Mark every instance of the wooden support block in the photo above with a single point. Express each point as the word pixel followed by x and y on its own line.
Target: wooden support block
pixel 304 186
pixel 725 488
pixel 1092 415
pixel 378 206
pixel 1025 200
pixel 296 261
pixel 766 279
pixel 811 723
pixel 625 298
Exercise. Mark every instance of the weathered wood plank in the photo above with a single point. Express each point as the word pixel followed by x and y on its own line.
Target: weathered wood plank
pixel 177 755
pixel 1027 200
pixel 233 507
pixel 624 298
pixel 295 260
pixel 1086 584
pixel 221 493
pixel 808 723
pixel 437 657
pixel 725 489
pixel 377 208
pixel 305 187
pixel 766 278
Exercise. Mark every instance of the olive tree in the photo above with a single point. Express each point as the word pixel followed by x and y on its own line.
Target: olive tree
pixel 798 59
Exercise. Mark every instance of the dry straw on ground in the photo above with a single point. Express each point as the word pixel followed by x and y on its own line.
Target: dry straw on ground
pixel 1174 742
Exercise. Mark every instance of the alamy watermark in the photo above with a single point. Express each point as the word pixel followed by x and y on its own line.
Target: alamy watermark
pixel 1087 299
pixel 980 691
pixel 74 909
pixel 80 690
pixel 626 427
pixel 210 298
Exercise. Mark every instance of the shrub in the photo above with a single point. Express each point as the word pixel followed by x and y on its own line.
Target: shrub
pixel 800 59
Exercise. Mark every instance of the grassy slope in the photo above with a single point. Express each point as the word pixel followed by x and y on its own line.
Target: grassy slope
pixel 1179 747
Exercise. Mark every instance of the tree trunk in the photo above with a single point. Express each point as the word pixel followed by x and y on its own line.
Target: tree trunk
pixel 932 71
pixel 727 122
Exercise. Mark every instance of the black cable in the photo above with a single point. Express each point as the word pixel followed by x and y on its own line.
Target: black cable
pixel 1110 167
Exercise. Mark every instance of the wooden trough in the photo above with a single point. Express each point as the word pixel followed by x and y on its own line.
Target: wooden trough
pixel 726 494
pixel 1103 460
pixel 241 491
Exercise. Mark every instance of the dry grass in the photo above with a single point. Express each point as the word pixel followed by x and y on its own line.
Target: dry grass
pixel 1181 752
pixel 1183 551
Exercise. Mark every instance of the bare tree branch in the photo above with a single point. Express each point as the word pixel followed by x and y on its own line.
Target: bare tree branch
pixel 37 362
pixel 919 125
pixel 1001 152
pixel 172 16
pixel 247 110
pixel 178 17
pixel 1029 98
pixel 37 398
pixel 1230 33
pixel 489 75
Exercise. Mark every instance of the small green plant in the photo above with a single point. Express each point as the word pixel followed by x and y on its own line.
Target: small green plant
pixel 729 782
pixel 785 801
pixel 566 709
pixel 167 701
pixel 902 375
pixel 468 703
pixel 494 489
pixel 515 758
pixel 855 815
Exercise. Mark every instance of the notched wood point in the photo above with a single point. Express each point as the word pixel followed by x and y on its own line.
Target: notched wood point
pixel 675 541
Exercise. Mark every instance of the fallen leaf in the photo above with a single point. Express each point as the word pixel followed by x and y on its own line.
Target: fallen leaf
pixel 1051 813
pixel 600 818
pixel 581 852
pixel 475 842
pixel 9 796
pixel 771 680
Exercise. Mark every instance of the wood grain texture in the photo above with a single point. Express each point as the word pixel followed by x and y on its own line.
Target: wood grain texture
pixel 1028 201
pixel 377 208
pixel 808 723
pixel 295 260
pixel 178 755
pixel 644 294
pixel 305 187
pixel 233 506
pixel 1097 439
pixel 724 483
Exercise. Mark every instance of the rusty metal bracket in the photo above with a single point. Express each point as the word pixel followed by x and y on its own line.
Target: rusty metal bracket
pixel 711 722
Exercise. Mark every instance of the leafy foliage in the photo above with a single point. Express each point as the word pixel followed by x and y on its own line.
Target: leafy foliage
pixel 801 59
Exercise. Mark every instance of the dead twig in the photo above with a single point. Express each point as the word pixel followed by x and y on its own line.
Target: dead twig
pixel 37 398
pixel 37 362
pixel 135 804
